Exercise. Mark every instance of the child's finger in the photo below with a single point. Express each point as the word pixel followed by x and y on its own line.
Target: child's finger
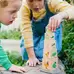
pixel 38 62
pixel 50 26
pixel 34 63
pixel 55 25
pixel 22 69
pixel 58 23
pixel 19 71
pixel 53 21
pixel 31 64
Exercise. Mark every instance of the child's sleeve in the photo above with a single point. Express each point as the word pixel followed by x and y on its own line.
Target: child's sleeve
pixel 4 61
pixel 61 6
pixel 25 26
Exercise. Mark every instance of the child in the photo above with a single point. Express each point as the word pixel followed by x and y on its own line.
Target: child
pixel 35 16
pixel 8 10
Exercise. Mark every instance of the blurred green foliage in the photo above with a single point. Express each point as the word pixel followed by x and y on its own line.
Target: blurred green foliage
pixel 15 58
pixel 67 53
pixel 10 34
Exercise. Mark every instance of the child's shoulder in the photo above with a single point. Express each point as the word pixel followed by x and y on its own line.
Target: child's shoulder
pixel 25 7
pixel 24 4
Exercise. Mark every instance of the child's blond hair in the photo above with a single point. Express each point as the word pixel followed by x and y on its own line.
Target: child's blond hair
pixel 3 3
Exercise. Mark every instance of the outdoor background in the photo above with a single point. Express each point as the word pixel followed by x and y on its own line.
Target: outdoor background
pixel 10 35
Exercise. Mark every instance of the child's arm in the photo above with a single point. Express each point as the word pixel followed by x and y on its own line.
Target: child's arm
pixel 25 26
pixel 32 58
pixel 64 11
pixel 26 31
pixel 4 61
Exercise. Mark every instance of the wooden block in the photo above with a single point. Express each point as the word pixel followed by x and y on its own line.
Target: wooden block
pixel 50 58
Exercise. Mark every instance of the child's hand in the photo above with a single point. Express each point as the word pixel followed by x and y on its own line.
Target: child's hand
pixel 33 62
pixel 55 20
pixel 32 58
pixel 17 69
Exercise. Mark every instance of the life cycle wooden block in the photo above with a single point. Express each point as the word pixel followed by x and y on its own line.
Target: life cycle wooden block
pixel 50 58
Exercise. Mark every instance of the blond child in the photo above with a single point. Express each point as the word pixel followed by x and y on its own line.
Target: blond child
pixel 8 10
